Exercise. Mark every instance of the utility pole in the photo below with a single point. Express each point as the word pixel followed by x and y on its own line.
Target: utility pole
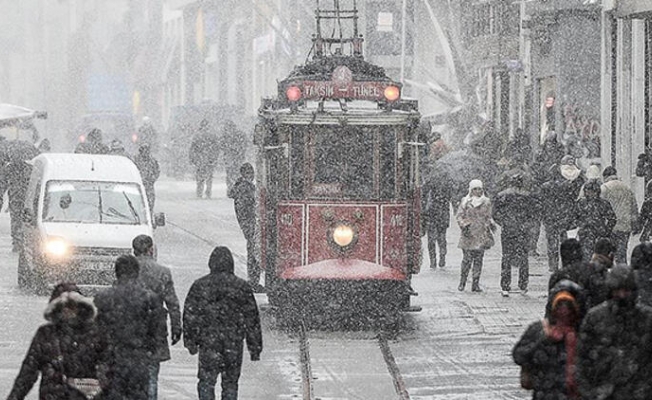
pixel 403 29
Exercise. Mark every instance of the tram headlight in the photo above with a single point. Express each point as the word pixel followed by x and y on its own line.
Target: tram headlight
pixel 56 247
pixel 392 93
pixel 293 93
pixel 343 235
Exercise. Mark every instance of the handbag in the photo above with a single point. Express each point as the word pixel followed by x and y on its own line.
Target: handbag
pixel 89 387
pixel 526 379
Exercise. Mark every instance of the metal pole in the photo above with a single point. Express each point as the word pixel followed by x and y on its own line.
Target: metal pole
pixel 403 18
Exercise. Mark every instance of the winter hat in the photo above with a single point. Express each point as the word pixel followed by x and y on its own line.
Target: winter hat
pixel 568 160
pixel 221 260
pixel 564 295
pixel 62 288
pixel 609 171
pixel 126 266
pixel 570 251
pixel 67 294
pixel 475 184
pixel 593 172
pixel 621 277
pixel 642 256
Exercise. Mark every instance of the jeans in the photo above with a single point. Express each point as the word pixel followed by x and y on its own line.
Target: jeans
pixel 472 258
pixel 152 388
pixel 437 237
pixel 515 254
pixel 253 268
pixel 555 236
pixel 620 240
pixel 224 360
pixel 204 177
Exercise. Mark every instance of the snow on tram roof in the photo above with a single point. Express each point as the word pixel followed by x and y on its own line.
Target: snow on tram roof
pixel 87 167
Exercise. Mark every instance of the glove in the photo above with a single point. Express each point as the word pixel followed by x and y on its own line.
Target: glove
pixel 255 356
pixel 176 336
pixel 192 349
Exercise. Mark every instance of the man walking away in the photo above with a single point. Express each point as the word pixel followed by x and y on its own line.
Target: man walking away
pixel 594 218
pixel 437 197
pixel 158 279
pixel 203 155
pixel 220 312
pixel 149 171
pixel 623 202
pixel 243 194
pixel 130 316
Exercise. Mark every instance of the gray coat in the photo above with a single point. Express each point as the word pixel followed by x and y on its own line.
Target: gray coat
pixel 158 279
pixel 476 225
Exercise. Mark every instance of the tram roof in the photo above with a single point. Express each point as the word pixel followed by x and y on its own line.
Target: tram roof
pixel 359 112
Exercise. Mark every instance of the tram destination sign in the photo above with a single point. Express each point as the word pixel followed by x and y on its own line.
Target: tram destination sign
pixel 361 90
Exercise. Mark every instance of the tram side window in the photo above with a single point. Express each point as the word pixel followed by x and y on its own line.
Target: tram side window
pixel 387 164
pixel 343 163
pixel 296 164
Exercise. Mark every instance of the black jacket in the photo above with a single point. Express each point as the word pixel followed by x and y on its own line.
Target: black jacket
pixel 558 197
pixel 82 346
pixel 437 193
pixel 204 150
pixel 220 311
pixel 512 209
pixel 594 218
pixel 243 194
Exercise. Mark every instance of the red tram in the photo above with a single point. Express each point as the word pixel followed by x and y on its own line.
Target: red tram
pixel 337 162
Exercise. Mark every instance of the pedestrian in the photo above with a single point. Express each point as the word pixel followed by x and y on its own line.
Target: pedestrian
pixel 545 160
pixel 623 202
pixel 93 144
pixel 147 134
pixel 512 209
pixel 645 216
pixel 644 165
pixel 547 351
pixel 614 352
pixel 14 177
pixel 203 155
pixel 243 193
pixel 44 146
pixel 116 148
pixel 558 197
pixel 234 143
pixel 437 195
pixel 474 219
pixel 594 218
pixel 149 171
pixel 642 266
pixel 220 312
pixel 130 315
pixel 573 267
pixel 601 262
pixel 158 279
pixel 593 173
pixel 68 349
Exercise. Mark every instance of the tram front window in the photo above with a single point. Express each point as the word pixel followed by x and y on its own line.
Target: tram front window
pixel 343 163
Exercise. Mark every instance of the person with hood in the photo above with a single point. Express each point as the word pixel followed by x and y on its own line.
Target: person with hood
pixel 623 202
pixel 130 315
pixel 594 218
pixel 93 144
pixel 645 216
pixel 437 195
pixel 220 312
pixel 158 279
pixel 243 193
pixel 642 266
pixel 545 160
pixel 68 348
pixel 558 197
pixel 474 219
pixel 547 351
pixel 512 208
pixel 203 155
pixel 149 171
pixel 573 267
pixel 614 356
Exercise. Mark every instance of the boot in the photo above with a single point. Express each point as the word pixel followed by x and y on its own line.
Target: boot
pixel 476 285
pixel 462 283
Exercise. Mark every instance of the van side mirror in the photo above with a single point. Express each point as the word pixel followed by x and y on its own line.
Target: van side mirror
pixel 159 219
pixel 28 216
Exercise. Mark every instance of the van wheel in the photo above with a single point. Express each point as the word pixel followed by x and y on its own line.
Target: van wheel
pixel 25 276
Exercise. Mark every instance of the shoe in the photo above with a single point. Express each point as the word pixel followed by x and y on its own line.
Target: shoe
pixel 477 289
pixel 442 263
pixel 524 291
pixel 461 287
pixel 505 293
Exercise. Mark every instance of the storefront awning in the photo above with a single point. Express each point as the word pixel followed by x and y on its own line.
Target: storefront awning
pixel 633 9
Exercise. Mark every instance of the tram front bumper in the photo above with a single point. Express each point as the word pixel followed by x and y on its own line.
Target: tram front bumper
pixel 343 270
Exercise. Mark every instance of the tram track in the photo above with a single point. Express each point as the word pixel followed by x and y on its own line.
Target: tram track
pixel 308 376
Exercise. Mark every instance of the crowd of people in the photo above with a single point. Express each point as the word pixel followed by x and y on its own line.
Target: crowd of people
pixel 111 347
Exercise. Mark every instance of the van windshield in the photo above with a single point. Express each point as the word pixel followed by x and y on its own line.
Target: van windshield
pixel 94 203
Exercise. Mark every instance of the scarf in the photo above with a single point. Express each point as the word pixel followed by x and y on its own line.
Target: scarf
pixel 557 333
pixel 570 172
pixel 475 201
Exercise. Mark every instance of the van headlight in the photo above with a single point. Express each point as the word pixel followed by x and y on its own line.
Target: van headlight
pixel 56 247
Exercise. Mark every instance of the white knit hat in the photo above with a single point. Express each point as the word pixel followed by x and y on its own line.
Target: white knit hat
pixel 475 184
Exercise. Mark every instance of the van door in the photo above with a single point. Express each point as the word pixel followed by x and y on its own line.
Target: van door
pixel 31 216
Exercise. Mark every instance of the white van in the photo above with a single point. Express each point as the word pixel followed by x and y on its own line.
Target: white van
pixel 81 212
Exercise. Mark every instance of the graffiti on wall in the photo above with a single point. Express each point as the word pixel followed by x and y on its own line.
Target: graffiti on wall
pixel 581 131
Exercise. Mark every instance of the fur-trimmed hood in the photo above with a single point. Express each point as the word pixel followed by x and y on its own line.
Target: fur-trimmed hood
pixel 85 306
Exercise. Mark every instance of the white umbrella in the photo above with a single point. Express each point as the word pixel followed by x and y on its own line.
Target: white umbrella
pixel 11 115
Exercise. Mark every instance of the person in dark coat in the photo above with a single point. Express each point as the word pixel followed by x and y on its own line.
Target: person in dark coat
pixel 14 177
pixel 149 171
pixel 547 350
pixel 558 197
pixel 642 266
pixel 93 144
pixel 512 208
pixel 243 193
pixel 234 143
pixel 203 155
pixel 623 202
pixel 437 195
pixel 601 263
pixel 573 267
pixel 116 148
pixel 550 156
pixel 645 216
pixel 147 134
pixel 70 345
pixel 594 218
pixel 220 312
pixel 131 316
pixel 614 353
pixel 158 279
